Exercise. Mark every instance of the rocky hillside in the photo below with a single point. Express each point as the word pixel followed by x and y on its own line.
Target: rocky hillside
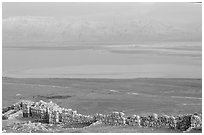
pixel 61 31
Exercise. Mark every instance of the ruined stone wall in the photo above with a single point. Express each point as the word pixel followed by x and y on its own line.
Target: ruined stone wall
pixel 53 114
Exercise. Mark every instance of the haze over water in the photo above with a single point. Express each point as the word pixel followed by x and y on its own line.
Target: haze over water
pixel 104 63
pixel 115 41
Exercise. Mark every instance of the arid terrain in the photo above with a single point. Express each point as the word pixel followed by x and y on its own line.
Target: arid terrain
pixel 89 96
pixel 142 58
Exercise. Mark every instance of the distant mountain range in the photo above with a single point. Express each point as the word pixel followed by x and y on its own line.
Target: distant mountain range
pixel 61 31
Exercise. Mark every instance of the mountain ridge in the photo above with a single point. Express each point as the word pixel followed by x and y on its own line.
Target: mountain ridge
pixel 42 29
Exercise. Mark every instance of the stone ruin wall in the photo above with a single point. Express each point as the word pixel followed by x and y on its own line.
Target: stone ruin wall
pixel 53 114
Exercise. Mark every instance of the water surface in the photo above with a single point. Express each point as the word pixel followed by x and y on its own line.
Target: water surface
pixel 169 60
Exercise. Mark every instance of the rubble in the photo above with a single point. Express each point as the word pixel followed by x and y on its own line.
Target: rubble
pixel 183 122
pixel 196 122
pixel 133 121
pixel 52 114
pixel 114 119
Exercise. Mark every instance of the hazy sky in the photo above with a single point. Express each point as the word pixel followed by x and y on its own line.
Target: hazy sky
pixel 183 10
